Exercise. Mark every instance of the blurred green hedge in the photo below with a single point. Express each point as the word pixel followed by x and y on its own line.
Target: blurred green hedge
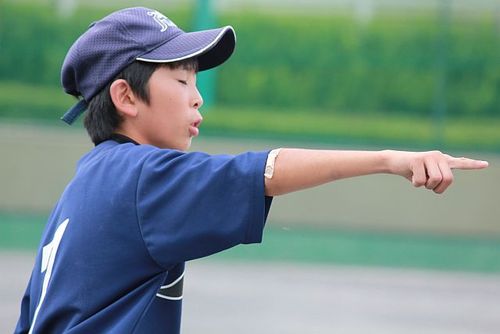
pixel 34 40
pixel 388 65
pixel 322 62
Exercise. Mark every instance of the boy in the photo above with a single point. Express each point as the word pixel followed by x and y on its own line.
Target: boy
pixel 111 258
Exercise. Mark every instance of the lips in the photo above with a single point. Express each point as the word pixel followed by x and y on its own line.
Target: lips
pixel 193 128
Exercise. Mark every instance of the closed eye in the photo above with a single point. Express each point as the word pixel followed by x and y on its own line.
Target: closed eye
pixel 184 82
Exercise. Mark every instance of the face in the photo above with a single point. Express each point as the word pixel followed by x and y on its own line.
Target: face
pixel 171 119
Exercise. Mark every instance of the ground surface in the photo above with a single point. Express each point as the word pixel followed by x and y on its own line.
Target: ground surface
pixel 235 297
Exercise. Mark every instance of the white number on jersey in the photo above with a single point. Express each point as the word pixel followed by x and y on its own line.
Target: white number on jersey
pixel 49 253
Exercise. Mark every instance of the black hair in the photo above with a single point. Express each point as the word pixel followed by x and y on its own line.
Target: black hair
pixel 102 119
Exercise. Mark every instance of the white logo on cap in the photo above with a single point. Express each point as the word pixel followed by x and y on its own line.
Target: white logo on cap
pixel 162 20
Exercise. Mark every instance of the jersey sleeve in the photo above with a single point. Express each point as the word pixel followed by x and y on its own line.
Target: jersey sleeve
pixel 191 205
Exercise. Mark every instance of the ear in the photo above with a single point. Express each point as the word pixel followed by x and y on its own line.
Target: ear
pixel 123 98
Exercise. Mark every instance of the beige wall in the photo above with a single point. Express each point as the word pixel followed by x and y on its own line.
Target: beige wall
pixel 37 162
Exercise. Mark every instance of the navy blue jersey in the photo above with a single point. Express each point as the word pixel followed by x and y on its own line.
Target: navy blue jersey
pixel 112 255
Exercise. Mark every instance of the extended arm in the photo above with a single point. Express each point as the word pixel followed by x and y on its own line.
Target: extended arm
pixel 297 169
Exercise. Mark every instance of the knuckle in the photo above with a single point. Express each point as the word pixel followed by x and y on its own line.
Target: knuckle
pixel 439 191
pixel 418 182
pixel 448 179
pixel 436 152
pixel 435 179
pixel 436 155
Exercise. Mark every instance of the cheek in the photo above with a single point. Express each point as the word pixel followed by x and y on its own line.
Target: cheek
pixel 169 110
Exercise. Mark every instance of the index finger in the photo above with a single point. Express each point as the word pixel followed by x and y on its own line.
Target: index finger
pixel 466 163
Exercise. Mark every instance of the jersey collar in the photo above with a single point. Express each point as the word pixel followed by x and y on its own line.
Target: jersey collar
pixel 122 139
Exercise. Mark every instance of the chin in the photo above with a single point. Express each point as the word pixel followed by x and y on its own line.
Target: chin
pixel 180 147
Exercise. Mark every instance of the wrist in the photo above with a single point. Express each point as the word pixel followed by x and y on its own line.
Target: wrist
pixel 386 161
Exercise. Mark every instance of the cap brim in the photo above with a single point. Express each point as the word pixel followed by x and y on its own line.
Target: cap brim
pixel 211 47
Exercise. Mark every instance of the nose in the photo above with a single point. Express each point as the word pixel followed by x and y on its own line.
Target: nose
pixel 197 99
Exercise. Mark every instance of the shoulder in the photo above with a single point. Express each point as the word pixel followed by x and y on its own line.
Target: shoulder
pixel 111 151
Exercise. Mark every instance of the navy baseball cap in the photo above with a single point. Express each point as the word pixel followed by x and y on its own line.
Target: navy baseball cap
pixel 111 44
